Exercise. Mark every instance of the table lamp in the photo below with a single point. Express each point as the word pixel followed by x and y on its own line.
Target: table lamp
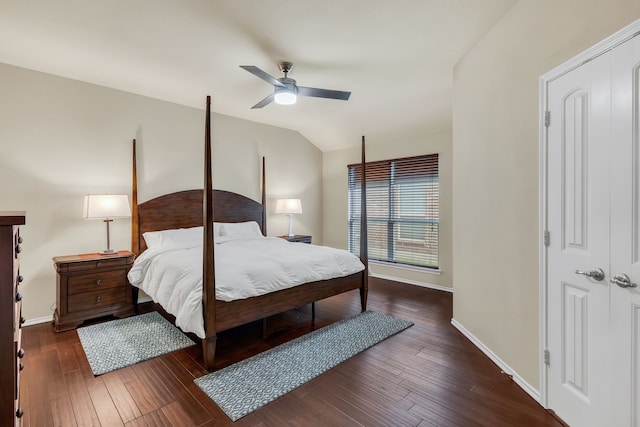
pixel 106 207
pixel 290 207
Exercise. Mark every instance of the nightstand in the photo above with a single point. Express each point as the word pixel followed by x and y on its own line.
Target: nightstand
pixel 90 286
pixel 297 238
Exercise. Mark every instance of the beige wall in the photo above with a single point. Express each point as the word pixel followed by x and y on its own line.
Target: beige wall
pixel 61 139
pixel 335 210
pixel 495 152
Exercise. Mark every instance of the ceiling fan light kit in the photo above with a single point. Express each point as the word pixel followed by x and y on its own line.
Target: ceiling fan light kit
pixel 285 89
pixel 285 96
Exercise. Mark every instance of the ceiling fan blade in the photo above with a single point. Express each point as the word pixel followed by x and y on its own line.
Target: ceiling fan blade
pixel 323 93
pixel 263 75
pixel 267 100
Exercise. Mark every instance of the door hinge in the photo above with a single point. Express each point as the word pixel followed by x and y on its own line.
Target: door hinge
pixel 547 118
pixel 546 357
pixel 546 237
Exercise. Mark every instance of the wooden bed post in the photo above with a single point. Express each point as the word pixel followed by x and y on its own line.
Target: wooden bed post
pixel 364 249
pixel 264 199
pixel 135 221
pixel 208 264
pixel 135 238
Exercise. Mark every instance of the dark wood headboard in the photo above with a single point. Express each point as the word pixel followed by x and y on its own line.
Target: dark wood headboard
pixel 184 209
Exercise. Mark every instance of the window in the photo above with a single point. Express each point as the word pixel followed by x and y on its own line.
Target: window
pixel 402 210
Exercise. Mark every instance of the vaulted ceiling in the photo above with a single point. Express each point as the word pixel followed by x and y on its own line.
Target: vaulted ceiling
pixel 395 56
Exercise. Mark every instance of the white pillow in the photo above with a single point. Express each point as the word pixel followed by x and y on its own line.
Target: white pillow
pixel 240 230
pixel 193 235
pixel 178 236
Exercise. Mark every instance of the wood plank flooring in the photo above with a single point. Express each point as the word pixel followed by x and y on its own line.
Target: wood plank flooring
pixel 427 375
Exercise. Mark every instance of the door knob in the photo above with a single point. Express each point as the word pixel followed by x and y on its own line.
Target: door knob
pixel 596 274
pixel 623 281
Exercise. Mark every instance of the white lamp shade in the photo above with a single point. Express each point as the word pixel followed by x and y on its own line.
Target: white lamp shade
pixel 106 206
pixel 289 206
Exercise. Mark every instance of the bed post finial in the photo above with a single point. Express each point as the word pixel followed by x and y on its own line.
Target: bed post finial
pixel 208 266
pixel 364 249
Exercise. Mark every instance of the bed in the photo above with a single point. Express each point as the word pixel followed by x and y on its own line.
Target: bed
pixel 205 207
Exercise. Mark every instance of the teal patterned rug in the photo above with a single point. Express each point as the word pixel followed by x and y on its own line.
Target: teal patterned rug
pixel 242 388
pixel 123 342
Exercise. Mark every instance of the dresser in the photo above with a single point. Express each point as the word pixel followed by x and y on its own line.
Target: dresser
pixel 11 319
pixel 90 286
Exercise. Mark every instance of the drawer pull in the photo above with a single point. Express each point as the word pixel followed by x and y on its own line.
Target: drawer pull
pixel 19 413
pixel 22 320
pixel 21 367
pixel 98 298
pixel 20 278
pixel 18 249
pixel 98 281
pixel 98 264
pixel 21 353
pixel 18 297
pixel 20 239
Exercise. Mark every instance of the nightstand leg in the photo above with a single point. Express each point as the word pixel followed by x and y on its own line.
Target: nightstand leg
pixel 313 312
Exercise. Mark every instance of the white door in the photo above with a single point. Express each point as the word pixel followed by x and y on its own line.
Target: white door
pixel 625 233
pixel 578 222
pixel 593 215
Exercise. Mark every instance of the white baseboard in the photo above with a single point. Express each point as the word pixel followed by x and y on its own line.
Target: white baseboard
pixel 413 282
pixel 531 391
pixel 38 320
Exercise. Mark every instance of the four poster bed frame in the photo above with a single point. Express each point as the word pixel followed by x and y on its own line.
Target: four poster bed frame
pixel 193 208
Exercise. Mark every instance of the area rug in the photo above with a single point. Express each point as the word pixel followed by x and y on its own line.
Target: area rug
pixel 242 388
pixel 123 342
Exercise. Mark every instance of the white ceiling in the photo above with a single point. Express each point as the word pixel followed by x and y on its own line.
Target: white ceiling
pixel 395 56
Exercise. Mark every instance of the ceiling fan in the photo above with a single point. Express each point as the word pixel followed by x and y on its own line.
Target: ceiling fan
pixel 285 89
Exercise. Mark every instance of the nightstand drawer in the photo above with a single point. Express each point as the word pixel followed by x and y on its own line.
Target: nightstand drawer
pixel 96 281
pixel 91 264
pixel 96 299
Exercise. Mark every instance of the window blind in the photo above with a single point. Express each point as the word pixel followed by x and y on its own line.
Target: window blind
pixel 402 210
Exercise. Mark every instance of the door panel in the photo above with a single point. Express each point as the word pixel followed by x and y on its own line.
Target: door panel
pixel 575 331
pixel 574 170
pixel 625 237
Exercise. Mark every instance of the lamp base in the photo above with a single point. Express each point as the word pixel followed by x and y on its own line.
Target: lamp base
pixel 108 251
pixel 290 229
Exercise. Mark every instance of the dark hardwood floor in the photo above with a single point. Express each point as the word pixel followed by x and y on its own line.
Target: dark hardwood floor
pixel 427 375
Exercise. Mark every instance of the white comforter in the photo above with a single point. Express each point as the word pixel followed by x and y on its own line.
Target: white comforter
pixel 172 275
